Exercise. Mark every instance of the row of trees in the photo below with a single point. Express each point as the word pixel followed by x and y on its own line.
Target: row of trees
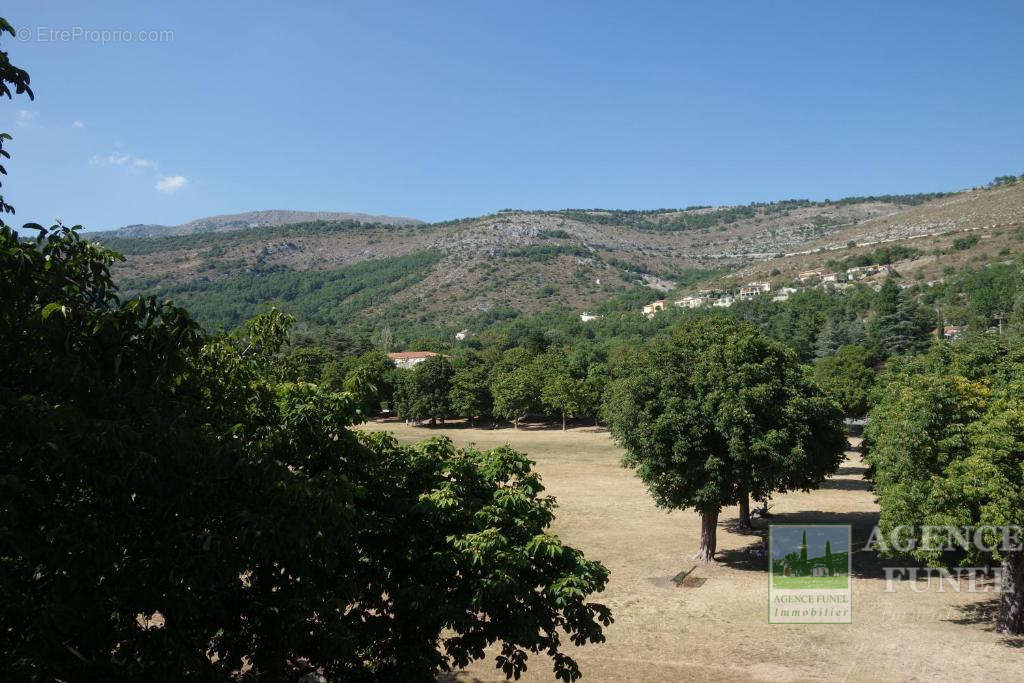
pixel 510 386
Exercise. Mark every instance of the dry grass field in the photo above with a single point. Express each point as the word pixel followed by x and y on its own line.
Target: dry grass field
pixel 719 631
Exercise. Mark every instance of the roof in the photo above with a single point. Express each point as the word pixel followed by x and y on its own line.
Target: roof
pixel 403 355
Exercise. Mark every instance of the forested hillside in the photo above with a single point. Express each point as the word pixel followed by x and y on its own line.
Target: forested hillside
pixel 436 279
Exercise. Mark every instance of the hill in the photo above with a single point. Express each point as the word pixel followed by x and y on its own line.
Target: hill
pixel 255 219
pixel 443 275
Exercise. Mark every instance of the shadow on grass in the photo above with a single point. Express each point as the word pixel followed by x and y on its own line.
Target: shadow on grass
pixel 986 613
pixel 847 484
pixel 866 563
pixel 587 426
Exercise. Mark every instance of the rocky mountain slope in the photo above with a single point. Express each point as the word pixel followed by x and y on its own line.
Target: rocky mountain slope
pixel 256 219
pixel 354 272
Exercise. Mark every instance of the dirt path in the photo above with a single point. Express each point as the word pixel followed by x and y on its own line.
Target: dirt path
pixel 719 631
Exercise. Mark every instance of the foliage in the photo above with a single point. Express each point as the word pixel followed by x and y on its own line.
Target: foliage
pixel 171 508
pixel 881 256
pixel 718 411
pixel 947 442
pixel 516 385
pixel 847 378
pixel 322 297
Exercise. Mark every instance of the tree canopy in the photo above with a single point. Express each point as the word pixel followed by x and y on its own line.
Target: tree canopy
pixel 715 412
pixel 171 505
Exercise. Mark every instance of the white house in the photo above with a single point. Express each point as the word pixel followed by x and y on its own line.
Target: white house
pixel 461 335
pixel 691 302
pixel 755 288
pixel 409 359
pixel 587 317
pixel 723 302
pixel 861 272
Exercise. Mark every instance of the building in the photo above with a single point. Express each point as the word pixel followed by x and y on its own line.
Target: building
pixel 723 302
pixel 462 335
pixel 754 289
pixel 587 317
pixel 409 359
pixel 691 302
pixel 861 272
pixel 652 308
pixel 820 274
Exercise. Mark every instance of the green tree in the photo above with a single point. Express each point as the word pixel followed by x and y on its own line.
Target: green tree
pixel 471 393
pixel 900 325
pixel 946 442
pixel 369 377
pixel 847 378
pixel 716 412
pixel 426 390
pixel 516 385
pixel 170 507
pixel 562 393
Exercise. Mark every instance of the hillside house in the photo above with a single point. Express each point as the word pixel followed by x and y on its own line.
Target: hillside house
pixel 723 302
pixel 822 274
pixel 652 308
pixel 952 332
pixel 409 359
pixel 587 317
pixel 462 335
pixel 691 302
pixel 861 272
pixel 755 289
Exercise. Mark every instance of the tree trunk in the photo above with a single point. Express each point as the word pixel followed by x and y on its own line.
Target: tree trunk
pixel 708 536
pixel 1011 599
pixel 563 421
pixel 515 423
pixel 745 511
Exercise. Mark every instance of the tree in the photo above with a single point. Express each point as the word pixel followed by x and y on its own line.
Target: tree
pixel 847 378
pixel 900 324
pixel 564 394
pixel 369 377
pixel 424 392
pixel 715 412
pixel 946 442
pixel 471 394
pixel 170 507
pixel 515 385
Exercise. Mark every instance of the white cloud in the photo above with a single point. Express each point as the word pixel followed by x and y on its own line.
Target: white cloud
pixel 25 117
pixel 77 124
pixel 169 184
pixel 121 159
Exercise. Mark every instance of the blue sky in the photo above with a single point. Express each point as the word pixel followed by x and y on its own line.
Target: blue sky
pixel 442 110
pixel 787 538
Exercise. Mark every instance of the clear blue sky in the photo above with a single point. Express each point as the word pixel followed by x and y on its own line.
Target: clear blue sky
pixel 442 110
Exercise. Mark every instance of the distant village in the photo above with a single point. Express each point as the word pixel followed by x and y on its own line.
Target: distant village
pixel 723 299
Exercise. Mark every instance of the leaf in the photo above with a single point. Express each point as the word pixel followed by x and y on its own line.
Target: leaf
pixel 52 307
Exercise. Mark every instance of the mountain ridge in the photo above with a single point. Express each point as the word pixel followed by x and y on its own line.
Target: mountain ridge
pixel 441 274
pixel 230 222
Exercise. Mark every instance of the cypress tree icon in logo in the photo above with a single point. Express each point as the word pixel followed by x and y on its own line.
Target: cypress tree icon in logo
pixel 810 573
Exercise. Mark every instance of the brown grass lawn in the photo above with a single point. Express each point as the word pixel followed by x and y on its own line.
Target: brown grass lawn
pixel 720 630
